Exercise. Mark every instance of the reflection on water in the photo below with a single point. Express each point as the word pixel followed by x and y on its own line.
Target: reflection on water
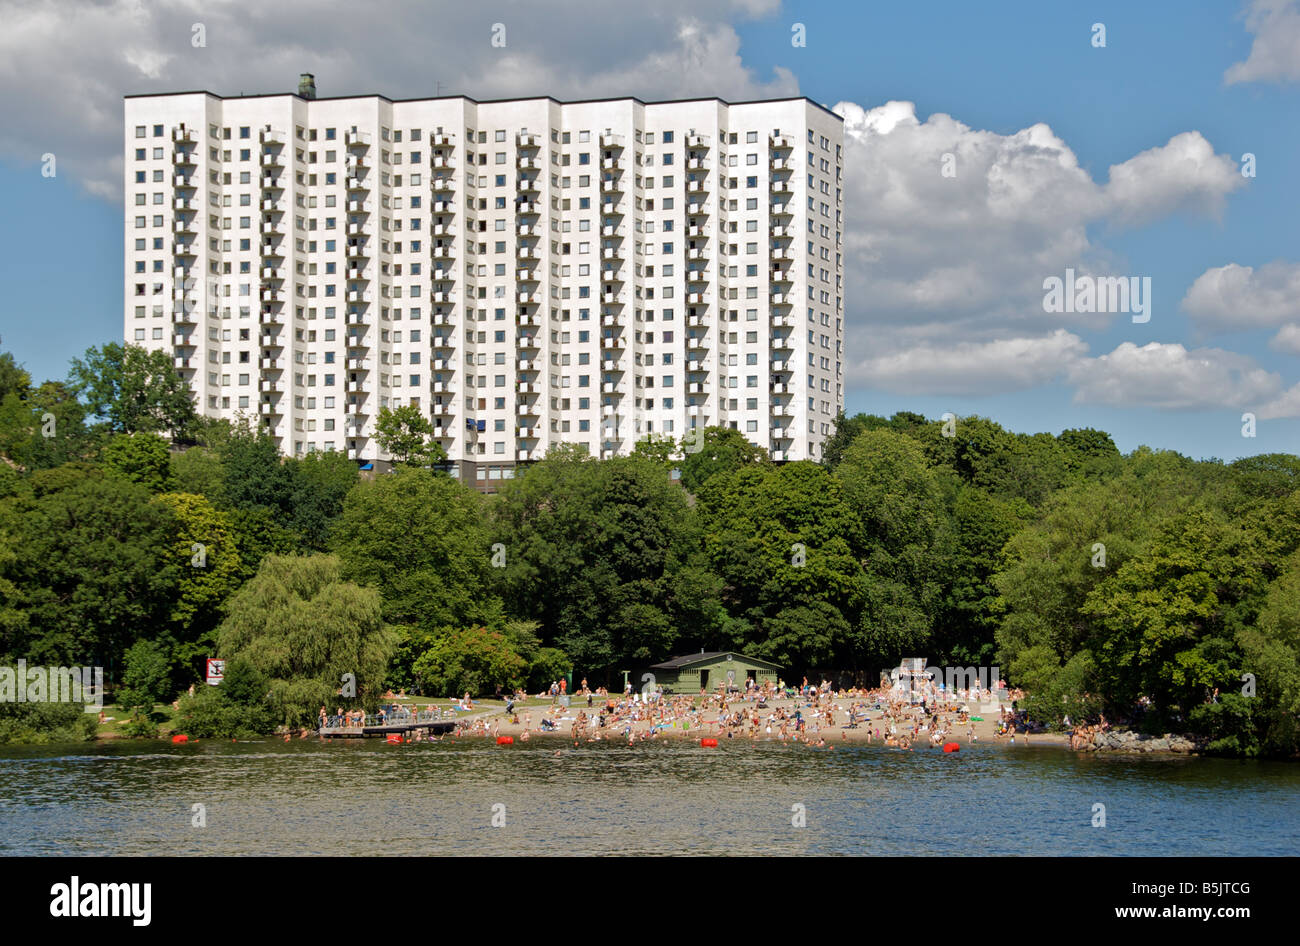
pixel 366 797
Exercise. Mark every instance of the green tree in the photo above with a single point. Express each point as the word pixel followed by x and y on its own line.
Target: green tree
pixel 470 660
pixel 405 434
pixel 147 677
pixel 421 540
pixel 134 390
pixel 321 483
pixel 310 633
pixel 720 449
pixel 93 572
pixel 205 548
pixel 139 458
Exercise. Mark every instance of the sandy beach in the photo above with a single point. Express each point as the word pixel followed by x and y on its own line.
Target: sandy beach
pixel 910 724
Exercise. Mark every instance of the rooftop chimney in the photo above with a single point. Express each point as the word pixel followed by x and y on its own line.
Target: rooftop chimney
pixel 307 85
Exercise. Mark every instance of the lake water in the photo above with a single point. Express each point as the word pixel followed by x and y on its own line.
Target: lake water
pixel 367 797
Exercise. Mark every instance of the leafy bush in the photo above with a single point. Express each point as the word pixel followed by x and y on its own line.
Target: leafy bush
pixel 41 723
pixel 209 714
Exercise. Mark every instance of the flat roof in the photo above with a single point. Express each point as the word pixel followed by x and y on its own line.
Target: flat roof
pixel 525 98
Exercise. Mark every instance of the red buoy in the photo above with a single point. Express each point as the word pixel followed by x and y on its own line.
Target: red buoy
pixel 505 740
pixel 709 743
pixel 180 737
pixel 394 739
pixel 951 747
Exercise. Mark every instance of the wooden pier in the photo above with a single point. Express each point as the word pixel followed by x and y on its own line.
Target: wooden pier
pixel 433 723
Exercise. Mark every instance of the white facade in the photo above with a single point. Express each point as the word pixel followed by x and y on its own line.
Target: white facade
pixel 526 272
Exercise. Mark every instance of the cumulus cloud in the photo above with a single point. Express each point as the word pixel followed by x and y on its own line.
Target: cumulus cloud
pixel 1275 52
pixel 1286 340
pixel 1234 297
pixel 1287 405
pixel 1170 377
pixel 65 67
pixel 997 367
pixel 940 264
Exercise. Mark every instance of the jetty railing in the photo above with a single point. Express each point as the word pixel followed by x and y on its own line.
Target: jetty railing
pixel 390 719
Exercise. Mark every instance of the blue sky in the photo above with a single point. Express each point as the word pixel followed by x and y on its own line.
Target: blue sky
pixel 1168 100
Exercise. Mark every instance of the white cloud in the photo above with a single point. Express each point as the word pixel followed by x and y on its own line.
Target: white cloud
pixel 1011 364
pixel 1287 405
pixel 1286 340
pixel 1275 52
pixel 1234 297
pixel 1170 377
pixel 934 263
pixel 1183 175
pixel 65 67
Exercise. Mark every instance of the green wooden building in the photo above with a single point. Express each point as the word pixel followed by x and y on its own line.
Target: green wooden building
pixel 709 671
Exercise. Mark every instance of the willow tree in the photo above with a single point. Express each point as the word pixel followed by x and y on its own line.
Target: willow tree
pixel 317 639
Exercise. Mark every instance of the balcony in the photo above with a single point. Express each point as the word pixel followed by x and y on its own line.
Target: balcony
pixel 782 164
pixel 528 185
pixel 442 295
pixel 270 159
pixel 526 139
pixel 781 188
pixel 781 210
pixel 527 253
pixel 182 363
pixel 272 364
pixel 525 454
pixel 358 251
pixel 780 343
pixel 529 298
pixel 441 139
pixel 612 231
pixel 184 158
pixel 528 164
pixel 182 341
pixel 444 318
pixel 697 141
pixel 613 321
pixel 527 364
pixel 782 321
pixel 182 181
pixel 359 206
pixel 444 186
pixel 697 298
pixel 613 298
pixel 610 186
pixel 527 207
pixel 273 227
pixel 781 142
pixel 610 140
pixel 696 187
pixel 356 139
pixel 357 184
pixel 528 387
pixel 271 386
pixel 185 225
pixel 696 164
pixel 443 251
pixel 613 164
pixel 528 230
pixel 532 319
pixel 613 343
pixel 183 135
pixel 271 182
pixel 441 162
pixel 697 231
pixel 780 254
pixel 272 272
pixel 781 233
pixel 529 341
pixel 444 207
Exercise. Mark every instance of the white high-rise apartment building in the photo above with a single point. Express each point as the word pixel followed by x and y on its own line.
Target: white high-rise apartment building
pixel 525 272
